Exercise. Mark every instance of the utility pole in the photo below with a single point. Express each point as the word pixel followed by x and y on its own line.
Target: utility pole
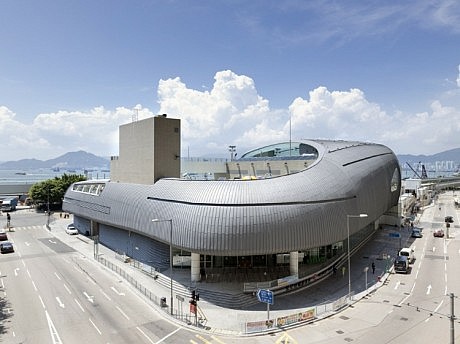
pixel 452 319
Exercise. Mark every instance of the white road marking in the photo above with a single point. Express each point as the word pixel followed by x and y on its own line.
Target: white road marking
pixel 59 278
pixel 53 331
pixel 89 298
pixel 106 296
pixel 51 241
pixel 27 243
pixel 60 302
pixel 397 285
pixel 28 273
pixel 428 290
pixel 41 300
pixel 16 271
pixel 67 288
pixel 147 337
pixel 123 313
pixel 35 287
pixel 95 326
pixel 78 303
pixel 116 291
pixel 169 335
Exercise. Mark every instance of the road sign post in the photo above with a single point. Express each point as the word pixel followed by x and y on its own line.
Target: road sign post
pixel 266 296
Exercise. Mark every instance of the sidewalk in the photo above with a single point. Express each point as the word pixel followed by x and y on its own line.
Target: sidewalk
pixel 333 288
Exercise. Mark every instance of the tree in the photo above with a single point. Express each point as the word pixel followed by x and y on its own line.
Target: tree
pixel 52 191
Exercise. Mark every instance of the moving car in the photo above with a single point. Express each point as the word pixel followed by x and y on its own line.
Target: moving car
pixel 449 219
pixel 3 235
pixel 6 247
pixel 438 233
pixel 71 230
pixel 416 233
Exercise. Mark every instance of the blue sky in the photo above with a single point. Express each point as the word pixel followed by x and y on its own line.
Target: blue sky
pixel 235 72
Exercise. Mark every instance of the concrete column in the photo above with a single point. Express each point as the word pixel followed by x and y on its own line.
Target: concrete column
pixel 195 269
pixel 294 263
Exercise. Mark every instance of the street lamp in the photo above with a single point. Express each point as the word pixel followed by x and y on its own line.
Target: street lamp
pixel 170 258
pixel 48 210
pixel 348 244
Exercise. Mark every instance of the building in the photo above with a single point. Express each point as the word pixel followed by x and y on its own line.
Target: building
pixel 149 150
pixel 286 210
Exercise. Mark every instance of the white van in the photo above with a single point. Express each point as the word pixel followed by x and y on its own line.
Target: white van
pixel 409 253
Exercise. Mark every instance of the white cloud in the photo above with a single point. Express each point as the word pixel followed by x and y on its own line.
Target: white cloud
pixel 337 115
pixel 233 113
pixel 53 134
pixel 212 120
pixel 458 77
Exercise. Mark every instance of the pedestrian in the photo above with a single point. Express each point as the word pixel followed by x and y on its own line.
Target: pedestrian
pixel 373 268
pixel 343 270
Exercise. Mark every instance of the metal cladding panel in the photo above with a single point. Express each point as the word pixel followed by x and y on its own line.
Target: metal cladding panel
pixel 238 217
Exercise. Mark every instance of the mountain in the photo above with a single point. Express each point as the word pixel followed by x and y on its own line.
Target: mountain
pixel 450 155
pixel 71 161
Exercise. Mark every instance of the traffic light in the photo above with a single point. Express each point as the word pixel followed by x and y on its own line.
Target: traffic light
pixel 195 296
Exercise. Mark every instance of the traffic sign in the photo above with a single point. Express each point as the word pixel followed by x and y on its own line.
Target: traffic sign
pixel 266 296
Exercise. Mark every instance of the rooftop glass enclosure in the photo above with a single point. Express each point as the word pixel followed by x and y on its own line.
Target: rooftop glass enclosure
pixel 284 150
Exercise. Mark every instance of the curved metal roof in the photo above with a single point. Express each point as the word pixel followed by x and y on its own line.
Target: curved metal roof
pixel 241 217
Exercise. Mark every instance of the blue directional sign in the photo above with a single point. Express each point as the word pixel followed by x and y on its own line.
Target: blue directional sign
pixel 265 296
pixel 395 235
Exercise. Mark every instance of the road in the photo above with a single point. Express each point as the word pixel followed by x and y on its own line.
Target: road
pixel 53 294
pixel 410 308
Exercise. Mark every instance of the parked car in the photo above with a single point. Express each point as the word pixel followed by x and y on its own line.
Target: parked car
pixel 449 219
pixel 71 230
pixel 6 247
pixel 416 233
pixel 401 264
pixel 438 233
pixel 3 235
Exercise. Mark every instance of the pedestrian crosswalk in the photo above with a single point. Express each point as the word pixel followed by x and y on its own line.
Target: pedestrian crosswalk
pixel 24 228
